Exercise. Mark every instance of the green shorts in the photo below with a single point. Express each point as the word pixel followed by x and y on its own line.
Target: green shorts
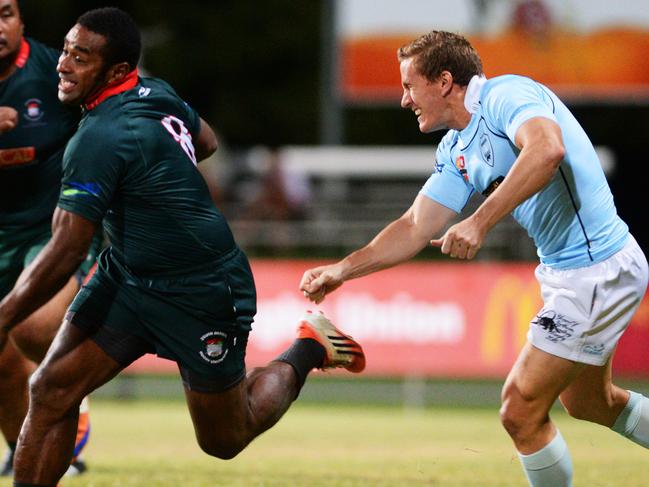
pixel 201 320
pixel 18 247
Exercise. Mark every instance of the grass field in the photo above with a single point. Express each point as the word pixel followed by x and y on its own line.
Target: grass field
pixel 149 443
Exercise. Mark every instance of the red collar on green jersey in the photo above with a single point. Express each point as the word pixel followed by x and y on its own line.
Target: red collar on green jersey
pixel 126 83
pixel 23 53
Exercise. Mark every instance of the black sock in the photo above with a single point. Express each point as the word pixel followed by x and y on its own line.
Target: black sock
pixel 303 355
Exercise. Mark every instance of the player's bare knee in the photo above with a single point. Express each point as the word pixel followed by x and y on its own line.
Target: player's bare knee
pixel 45 392
pixel 511 420
pixel 517 411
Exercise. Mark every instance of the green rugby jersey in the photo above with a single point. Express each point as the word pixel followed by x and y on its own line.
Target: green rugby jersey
pixel 30 155
pixel 132 164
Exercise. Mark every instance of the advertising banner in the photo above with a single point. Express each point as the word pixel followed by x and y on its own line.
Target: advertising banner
pixel 419 319
pixel 583 49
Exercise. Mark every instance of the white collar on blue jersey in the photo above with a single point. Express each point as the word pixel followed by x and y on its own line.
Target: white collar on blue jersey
pixel 472 95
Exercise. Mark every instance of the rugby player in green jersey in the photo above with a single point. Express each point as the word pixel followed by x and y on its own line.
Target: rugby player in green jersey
pixel 34 128
pixel 173 281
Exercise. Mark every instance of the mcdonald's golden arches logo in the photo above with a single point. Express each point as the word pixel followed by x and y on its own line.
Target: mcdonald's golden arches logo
pixel 511 305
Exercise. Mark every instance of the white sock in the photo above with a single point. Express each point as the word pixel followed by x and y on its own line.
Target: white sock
pixel 551 466
pixel 633 421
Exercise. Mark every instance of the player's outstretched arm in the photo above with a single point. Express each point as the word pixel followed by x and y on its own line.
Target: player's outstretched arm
pixel 396 243
pixel 8 119
pixel 50 270
pixel 206 143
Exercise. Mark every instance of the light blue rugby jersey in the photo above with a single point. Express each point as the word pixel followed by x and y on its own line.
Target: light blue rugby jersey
pixel 573 220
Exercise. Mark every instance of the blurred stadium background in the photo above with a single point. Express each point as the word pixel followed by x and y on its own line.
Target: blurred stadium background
pixel 317 156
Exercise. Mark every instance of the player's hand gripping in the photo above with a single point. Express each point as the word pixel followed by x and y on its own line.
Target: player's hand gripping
pixel 8 119
pixel 318 282
pixel 462 240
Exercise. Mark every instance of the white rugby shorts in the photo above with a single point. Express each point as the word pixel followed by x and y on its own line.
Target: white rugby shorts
pixel 586 310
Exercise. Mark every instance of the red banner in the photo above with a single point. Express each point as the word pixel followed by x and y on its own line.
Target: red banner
pixel 423 319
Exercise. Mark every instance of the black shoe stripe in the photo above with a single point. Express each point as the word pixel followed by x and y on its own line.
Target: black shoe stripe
pixel 337 340
pixel 351 352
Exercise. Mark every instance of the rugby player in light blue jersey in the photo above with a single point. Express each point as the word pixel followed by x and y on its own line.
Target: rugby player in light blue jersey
pixel 514 141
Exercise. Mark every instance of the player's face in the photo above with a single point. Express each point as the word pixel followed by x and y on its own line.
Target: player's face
pixel 11 28
pixel 81 67
pixel 422 97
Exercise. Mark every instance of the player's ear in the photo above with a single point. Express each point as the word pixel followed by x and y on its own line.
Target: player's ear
pixel 446 82
pixel 117 72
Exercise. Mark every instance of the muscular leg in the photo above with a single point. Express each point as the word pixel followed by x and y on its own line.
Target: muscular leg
pixel 14 398
pixel 535 382
pixel 56 388
pixel 28 343
pixel 592 396
pixel 228 421
pixel 35 334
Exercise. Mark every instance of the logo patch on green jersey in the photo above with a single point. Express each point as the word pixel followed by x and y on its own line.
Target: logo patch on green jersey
pixel 33 111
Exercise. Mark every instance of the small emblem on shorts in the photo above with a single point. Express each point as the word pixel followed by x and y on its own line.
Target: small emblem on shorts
pixel 215 347
pixel 559 328
pixel 594 349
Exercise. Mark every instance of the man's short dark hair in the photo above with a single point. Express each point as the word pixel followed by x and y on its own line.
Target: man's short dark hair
pixel 123 41
pixel 440 51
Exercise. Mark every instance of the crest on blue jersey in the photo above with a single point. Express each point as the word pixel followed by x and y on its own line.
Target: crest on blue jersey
pixel 486 149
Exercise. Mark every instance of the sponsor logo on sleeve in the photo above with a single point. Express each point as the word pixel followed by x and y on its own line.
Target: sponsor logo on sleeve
pixel 74 189
pixel 493 185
